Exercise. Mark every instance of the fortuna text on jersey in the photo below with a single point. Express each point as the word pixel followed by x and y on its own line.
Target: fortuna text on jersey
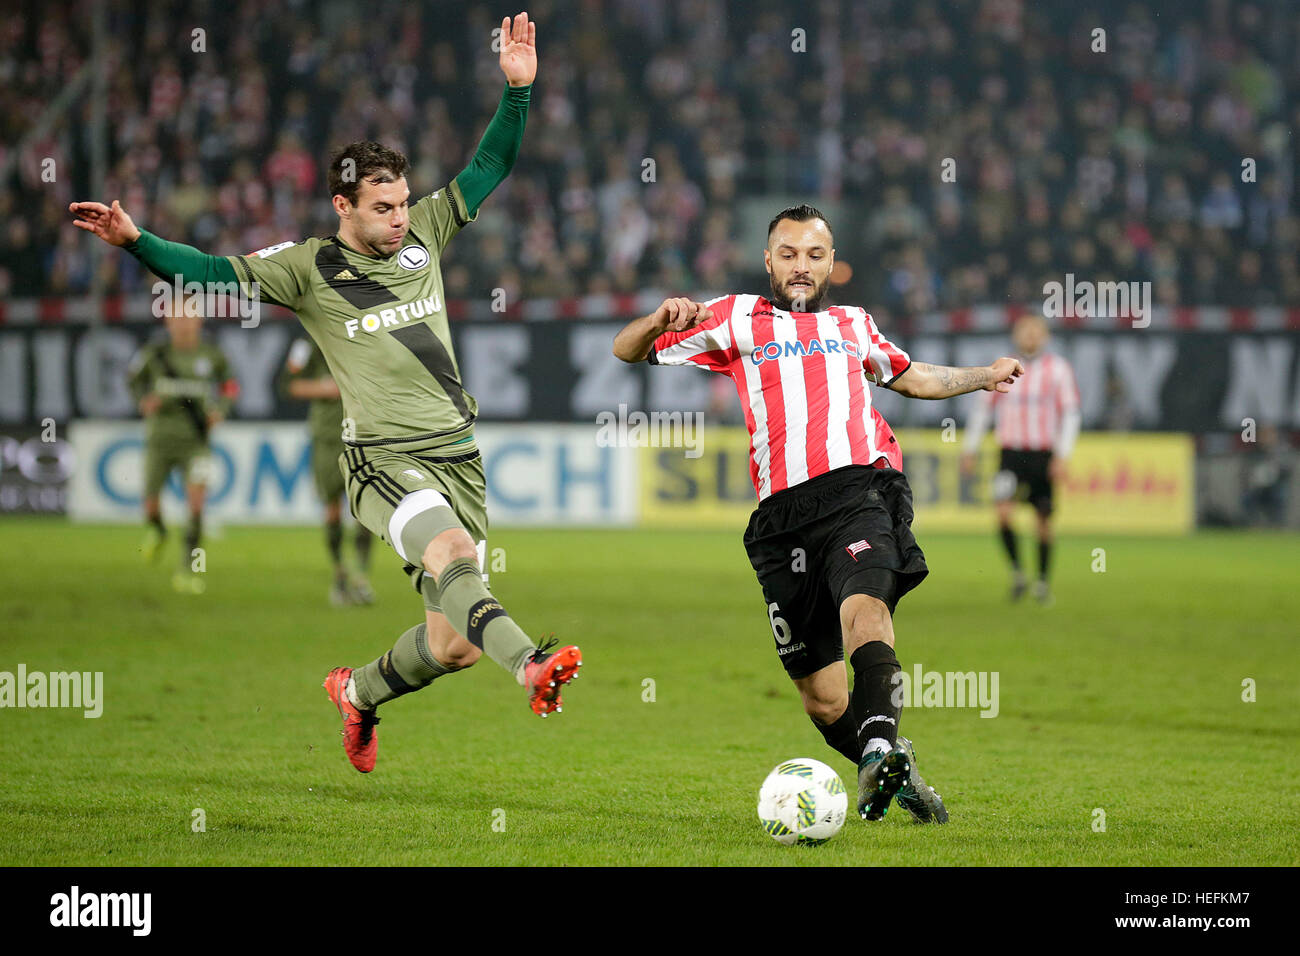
pixel 406 312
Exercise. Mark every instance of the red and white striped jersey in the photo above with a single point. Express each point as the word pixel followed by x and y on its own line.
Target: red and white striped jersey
pixel 1029 417
pixel 801 381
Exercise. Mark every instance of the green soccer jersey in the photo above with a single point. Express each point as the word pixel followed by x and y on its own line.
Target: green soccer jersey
pixel 381 325
pixel 325 415
pixel 192 384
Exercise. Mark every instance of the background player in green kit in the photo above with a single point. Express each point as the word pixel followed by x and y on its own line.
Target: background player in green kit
pixel 372 298
pixel 182 386
pixel 309 379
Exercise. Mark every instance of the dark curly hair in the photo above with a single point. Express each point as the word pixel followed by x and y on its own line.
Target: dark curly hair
pixel 373 162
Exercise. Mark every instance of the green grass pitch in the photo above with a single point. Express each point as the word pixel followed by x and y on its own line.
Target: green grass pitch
pixel 1124 697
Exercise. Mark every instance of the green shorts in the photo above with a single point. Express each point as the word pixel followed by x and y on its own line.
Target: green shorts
pixel 325 468
pixel 386 489
pixel 165 451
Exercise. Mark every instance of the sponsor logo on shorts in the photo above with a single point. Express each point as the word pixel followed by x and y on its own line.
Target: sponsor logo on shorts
pixel 791 648
pixel 857 547
pixel 414 474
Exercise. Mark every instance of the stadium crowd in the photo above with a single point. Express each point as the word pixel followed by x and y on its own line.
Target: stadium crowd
pixel 1166 158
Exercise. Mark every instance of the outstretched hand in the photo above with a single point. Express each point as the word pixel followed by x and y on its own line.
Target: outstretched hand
pixel 678 315
pixel 518 50
pixel 1005 372
pixel 112 225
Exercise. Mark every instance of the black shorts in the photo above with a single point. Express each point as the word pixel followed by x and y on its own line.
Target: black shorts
pixel 1023 474
pixel 846 532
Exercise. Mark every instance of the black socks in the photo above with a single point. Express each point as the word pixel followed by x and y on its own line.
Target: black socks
pixel 1009 542
pixel 842 735
pixel 334 540
pixel 872 698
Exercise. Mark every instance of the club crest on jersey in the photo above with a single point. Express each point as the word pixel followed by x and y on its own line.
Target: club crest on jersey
pixel 398 315
pixel 413 258
pixel 857 547
pixel 779 350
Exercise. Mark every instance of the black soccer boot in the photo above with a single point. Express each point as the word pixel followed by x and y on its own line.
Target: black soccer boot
pixel 915 796
pixel 880 776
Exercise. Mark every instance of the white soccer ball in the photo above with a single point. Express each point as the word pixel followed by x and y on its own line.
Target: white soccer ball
pixel 802 801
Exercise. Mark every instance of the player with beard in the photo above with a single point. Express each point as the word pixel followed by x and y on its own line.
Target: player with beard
pixel 827 487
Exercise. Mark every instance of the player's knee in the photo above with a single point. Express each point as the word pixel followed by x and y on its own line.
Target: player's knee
pixel 825 710
pixel 865 618
pixel 451 545
pixel 457 657
pixel 424 529
pixel 447 647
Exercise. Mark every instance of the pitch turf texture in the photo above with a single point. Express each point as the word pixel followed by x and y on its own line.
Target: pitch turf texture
pixel 1126 697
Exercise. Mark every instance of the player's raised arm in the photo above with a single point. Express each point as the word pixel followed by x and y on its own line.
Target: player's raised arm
pixel 518 58
pixel 499 147
pixel 634 342
pixel 922 380
pixel 164 259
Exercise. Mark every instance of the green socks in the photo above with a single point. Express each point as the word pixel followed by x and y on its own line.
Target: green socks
pixel 474 612
pixel 407 667
pixel 193 535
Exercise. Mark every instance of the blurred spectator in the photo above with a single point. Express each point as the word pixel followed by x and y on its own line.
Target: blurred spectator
pixel 1124 165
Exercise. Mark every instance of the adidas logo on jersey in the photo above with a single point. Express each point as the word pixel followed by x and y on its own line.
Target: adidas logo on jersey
pixel 347 275
pixel 399 315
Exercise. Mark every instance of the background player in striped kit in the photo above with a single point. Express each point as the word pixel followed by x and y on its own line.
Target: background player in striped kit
pixel 1037 425
pixel 831 540
pixel 308 378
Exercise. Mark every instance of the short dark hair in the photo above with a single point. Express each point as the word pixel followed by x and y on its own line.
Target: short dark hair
pixel 364 160
pixel 800 213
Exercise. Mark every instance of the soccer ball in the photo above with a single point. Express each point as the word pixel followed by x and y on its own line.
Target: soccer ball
pixel 802 801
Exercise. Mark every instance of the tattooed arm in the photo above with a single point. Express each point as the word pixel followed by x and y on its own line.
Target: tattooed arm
pixel 922 380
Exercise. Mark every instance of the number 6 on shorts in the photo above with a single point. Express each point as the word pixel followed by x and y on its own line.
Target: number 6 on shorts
pixel 780 629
